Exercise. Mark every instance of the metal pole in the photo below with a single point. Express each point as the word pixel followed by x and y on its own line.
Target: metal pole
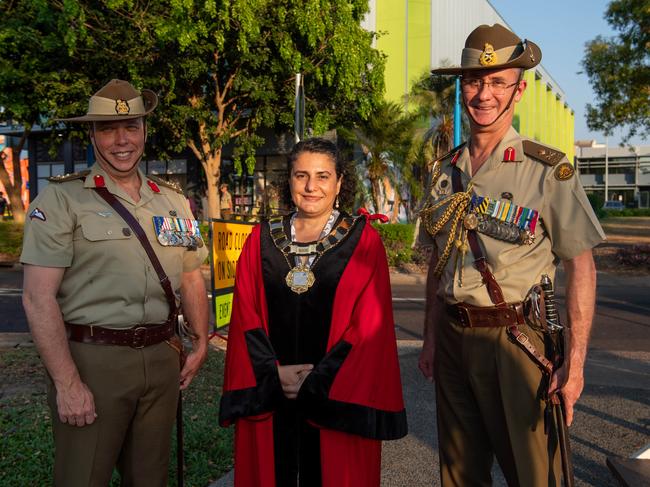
pixel 606 168
pixel 299 110
pixel 457 114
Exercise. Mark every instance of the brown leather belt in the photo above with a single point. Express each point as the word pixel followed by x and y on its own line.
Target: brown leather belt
pixel 489 316
pixel 137 337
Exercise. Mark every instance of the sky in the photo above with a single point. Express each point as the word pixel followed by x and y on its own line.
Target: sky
pixel 562 28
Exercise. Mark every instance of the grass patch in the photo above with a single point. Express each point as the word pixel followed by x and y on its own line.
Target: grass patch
pixel 11 238
pixel 26 446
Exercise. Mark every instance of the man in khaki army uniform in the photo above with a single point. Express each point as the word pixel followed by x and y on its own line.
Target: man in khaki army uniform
pixel 100 318
pixel 502 212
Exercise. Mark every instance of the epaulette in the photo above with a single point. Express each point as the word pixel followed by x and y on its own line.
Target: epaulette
pixel 542 153
pixel 69 177
pixel 166 184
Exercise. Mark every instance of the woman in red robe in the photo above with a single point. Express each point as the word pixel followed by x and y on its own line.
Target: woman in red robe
pixel 312 379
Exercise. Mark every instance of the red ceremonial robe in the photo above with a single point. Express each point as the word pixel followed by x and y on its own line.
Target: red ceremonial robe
pixel 353 395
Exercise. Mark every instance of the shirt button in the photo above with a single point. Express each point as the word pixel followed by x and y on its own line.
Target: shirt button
pixel 110 232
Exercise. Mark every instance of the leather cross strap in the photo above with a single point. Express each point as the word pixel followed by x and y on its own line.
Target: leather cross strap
pixel 524 342
pixel 144 241
pixel 493 288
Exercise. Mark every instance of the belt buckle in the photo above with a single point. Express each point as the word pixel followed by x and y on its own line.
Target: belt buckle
pixel 522 338
pixel 464 316
pixel 139 337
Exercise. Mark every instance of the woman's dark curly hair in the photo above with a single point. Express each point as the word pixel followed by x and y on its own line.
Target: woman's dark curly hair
pixel 319 145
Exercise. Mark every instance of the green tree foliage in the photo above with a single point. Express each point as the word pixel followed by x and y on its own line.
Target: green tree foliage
pixel 33 53
pixel 386 139
pixel 224 69
pixel 619 70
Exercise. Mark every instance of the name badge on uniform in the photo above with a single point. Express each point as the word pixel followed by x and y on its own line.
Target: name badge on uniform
pixel 177 232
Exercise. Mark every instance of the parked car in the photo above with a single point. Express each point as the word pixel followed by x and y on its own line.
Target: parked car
pixel 613 205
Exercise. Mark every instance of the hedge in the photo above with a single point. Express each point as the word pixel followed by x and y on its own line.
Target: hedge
pixel 398 239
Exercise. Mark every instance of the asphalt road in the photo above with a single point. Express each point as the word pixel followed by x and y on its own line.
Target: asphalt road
pixel 622 321
pixel 12 316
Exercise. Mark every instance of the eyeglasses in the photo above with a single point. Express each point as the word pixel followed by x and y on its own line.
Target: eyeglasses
pixel 474 85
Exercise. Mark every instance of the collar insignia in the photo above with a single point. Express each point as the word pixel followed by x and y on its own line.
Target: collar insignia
pixel 99 181
pixel 122 107
pixel 509 154
pixel 154 187
pixel 454 159
pixel 488 57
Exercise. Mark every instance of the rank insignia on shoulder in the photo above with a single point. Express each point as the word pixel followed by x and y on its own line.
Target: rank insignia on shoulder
pixel 564 171
pixel 155 181
pixel 542 153
pixel 69 177
pixel 37 214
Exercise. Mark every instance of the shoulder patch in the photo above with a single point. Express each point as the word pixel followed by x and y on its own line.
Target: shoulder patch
pixel 542 153
pixel 69 177
pixel 166 184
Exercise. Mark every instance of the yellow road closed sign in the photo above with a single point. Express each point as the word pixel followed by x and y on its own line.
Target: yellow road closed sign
pixel 227 243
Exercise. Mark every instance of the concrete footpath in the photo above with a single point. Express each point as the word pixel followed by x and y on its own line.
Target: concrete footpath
pixel 611 418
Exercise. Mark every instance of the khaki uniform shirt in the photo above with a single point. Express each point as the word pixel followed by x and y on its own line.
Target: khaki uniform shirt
pixel 567 225
pixel 109 279
pixel 225 201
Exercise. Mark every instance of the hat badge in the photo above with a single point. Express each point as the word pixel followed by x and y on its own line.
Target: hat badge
pixel 488 56
pixel 122 107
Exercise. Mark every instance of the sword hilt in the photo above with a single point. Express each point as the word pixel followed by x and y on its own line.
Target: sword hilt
pixel 552 317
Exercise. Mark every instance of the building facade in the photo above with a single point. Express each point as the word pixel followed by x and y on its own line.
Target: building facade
pixel 419 35
pixel 615 173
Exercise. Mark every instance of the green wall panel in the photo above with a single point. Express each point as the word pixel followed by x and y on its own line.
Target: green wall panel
pixel 391 25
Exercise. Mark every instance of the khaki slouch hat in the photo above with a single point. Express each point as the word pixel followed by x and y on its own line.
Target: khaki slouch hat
pixel 495 47
pixel 117 100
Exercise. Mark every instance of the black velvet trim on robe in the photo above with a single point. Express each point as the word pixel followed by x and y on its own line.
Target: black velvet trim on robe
pixel 356 419
pixel 262 398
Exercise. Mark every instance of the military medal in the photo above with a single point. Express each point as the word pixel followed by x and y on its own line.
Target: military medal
pixel 177 232
pixel 300 279
pixel 504 220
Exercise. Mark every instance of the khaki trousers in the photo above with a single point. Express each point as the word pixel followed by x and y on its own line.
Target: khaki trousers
pixel 488 404
pixel 135 393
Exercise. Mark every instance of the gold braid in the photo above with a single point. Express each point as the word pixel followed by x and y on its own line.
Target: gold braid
pixel 457 204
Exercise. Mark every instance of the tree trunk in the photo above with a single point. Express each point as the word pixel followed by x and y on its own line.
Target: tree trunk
pixel 14 188
pixel 397 200
pixel 375 190
pixel 212 166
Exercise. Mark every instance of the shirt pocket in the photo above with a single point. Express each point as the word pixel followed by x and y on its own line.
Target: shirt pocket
pixel 101 230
